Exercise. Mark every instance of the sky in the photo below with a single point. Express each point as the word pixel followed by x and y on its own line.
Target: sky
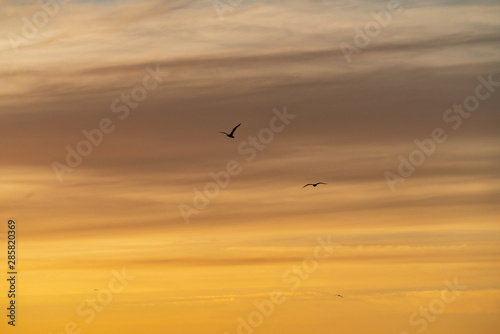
pixel 135 215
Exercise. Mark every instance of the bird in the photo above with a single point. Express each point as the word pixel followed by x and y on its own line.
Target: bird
pixel 340 296
pixel 313 184
pixel 230 135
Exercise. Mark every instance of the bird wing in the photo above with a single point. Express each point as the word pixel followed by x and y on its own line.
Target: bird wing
pixel 321 183
pixel 224 133
pixel 309 184
pixel 235 129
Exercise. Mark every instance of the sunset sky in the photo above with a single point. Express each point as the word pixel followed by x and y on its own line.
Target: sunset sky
pixel 160 79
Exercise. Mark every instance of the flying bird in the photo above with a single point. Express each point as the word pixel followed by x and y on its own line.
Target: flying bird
pixel 313 184
pixel 340 296
pixel 230 135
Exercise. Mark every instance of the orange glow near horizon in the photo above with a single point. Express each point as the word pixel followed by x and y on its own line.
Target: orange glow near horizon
pixel 149 231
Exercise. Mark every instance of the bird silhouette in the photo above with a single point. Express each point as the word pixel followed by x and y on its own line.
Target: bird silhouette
pixel 340 296
pixel 313 184
pixel 230 135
